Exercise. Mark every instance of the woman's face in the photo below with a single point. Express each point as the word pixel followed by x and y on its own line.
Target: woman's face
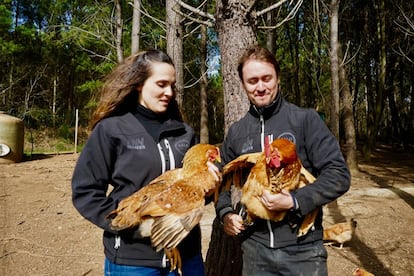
pixel 158 89
pixel 260 82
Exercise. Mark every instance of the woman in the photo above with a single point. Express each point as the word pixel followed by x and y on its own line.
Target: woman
pixel 137 134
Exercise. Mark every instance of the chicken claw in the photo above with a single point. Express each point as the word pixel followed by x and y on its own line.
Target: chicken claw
pixel 174 258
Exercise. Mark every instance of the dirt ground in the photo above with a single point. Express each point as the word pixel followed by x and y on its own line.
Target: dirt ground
pixel 42 234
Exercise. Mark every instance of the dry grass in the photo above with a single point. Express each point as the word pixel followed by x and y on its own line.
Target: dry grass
pixel 51 141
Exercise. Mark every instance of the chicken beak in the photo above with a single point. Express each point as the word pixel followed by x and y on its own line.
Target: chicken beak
pixel 218 157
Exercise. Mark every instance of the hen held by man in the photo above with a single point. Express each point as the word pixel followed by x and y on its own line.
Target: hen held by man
pixel 276 169
pixel 171 205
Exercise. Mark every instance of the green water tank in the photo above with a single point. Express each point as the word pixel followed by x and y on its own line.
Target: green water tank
pixel 11 139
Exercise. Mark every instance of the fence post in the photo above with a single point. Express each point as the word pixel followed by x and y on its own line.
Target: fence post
pixel 76 130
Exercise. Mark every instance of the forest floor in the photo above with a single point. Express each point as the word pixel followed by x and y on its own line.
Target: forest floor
pixel 42 234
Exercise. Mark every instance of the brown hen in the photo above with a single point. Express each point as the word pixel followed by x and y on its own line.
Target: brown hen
pixel 277 168
pixel 339 233
pixel 169 207
pixel 362 272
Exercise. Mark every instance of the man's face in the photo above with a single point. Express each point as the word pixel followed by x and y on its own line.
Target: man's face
pixel 260 82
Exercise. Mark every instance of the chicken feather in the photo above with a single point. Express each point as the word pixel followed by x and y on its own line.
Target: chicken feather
pixel 171 205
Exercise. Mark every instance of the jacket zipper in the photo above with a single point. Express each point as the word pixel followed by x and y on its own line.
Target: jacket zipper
pixel 117 245
pixel 163 165
pixel 262 132
pixel 170 154
pixel 167 155
pixel 262 139
pixel 166 164
pixel 117 242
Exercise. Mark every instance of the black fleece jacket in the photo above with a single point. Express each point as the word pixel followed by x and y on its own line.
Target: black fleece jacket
pixel 127 152
pixel 318 150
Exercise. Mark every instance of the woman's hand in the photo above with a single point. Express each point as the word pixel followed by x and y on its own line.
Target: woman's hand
pixel 277 202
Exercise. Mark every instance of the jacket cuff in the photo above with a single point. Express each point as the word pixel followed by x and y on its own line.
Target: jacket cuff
pixel 295 203
pixel 224 212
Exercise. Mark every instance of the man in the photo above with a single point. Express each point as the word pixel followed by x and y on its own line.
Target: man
pixel 271 248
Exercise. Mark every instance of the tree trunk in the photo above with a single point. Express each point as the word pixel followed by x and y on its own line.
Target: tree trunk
pixel 369 96
pixel 349 125
pixel 294 55
pixel 410 123
pixel 378 101
pixel 204 137
pixel 136 26
pixel 334 121
pixel 118 22
pixel 224 256
pixel 270 34
pixel 55 83
pixel 236 33
pixel 7 98
pixel 295 43
pixel 175 45
pixel 356 75
pixel 395 122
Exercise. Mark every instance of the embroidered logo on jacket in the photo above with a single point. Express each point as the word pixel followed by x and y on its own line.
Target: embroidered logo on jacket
pixel 137 144
pixel 247 146
pixel 289 136
pixel 181 146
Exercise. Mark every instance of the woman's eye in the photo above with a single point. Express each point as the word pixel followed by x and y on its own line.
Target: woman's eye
pixel 162 84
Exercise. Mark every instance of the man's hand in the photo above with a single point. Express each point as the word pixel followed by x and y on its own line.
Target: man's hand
pixel 277 202
pixel 233 224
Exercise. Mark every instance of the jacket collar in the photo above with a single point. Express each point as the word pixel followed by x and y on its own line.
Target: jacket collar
pixel 166 124
pixel 269 110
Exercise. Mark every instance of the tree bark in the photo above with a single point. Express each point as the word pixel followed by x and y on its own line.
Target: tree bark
pixel 236 33
pixel 118 22
pixel 295 44
pixel 334 116
pixel 349 125
pixel 410 124
pixel 136 26
pixel 11 83
pixel 394 122
pixel 270 34
pixel 294 55
pixel 175 46
pixel 204 137
pixel 377 102
pixel 224 256
pixel 369 95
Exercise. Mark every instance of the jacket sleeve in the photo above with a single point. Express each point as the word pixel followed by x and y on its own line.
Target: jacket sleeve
pixel 325 160
pixel 91 179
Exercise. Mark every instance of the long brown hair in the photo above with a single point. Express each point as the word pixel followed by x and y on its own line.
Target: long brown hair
pixel 258 53
pixel 119 94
